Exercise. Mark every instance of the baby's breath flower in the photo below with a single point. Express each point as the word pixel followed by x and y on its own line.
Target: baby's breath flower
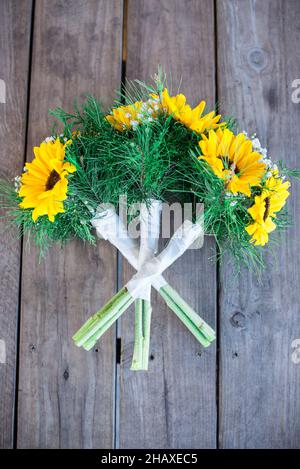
pixel 134 124
pixel 17 183
pixel 49 139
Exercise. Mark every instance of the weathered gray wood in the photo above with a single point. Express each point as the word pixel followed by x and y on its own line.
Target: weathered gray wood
pixel 15 24
pixel 173 405
pixel 259 57
pixel 66 395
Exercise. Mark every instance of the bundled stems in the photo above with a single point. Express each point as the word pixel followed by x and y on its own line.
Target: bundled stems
pixel 149 235
pixel 138 289
pixel 95 327
pixel 195 324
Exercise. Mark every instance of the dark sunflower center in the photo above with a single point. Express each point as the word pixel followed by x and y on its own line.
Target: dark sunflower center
pixel 231 165
pixel 234 168
pixel 53 178
pixel 267 208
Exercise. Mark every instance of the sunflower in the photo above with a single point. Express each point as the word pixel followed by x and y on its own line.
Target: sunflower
pixel 191 118
pixel 264 209
pixel 44 183
pixel 125 117
pixel 232 159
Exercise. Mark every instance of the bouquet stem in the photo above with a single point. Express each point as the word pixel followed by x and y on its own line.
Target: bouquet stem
pixel 149 236
pixel 195 324
pixel 143 312
pixel 95 327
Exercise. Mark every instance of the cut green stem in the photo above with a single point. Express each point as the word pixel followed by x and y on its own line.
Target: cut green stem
pixel 95 326
pixel 91 341
pixel 98 324
pixel 195 324
pixel 142 326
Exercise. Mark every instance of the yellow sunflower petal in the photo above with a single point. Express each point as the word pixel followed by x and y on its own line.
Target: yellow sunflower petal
pixel 242 168
pixel 69 167
pixel 44 185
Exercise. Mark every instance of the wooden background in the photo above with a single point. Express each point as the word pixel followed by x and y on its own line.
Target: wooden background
pixel 242 392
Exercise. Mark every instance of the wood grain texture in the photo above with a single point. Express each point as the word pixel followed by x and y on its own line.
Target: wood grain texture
pixel 15 23
pixel 173 404
pixel 259 57
pixel 66 395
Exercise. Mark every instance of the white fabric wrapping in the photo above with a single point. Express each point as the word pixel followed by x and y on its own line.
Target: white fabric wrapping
pixel 109 226
pixel 182 239
pixel 149 236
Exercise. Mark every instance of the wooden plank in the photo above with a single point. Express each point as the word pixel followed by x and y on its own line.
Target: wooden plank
pixel 173 405
pixel 258 56
pixel 66 395
pixel 15 25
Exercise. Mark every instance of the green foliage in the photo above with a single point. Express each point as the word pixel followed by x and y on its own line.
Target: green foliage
pixel 158 160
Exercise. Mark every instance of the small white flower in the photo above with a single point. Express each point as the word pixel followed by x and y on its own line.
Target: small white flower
pixel 150 111
pixel 150 119
pixel 275 167
pixel 140 116
pixel 256 143
pixel 156 107
pixel 267 162
pixel 127 115
pixel 134 124
pixel 233 203
pixel 49 139
pixel 269 174
pixel 264 152
pixel 144 107
pixel 17 183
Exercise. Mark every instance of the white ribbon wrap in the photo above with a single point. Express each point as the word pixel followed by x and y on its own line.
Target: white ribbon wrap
pixel 182 239
pixel 109 226
pixel 149 236
pixel 149 268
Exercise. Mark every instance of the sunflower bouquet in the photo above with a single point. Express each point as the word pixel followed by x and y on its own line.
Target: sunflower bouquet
pixel 108 172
